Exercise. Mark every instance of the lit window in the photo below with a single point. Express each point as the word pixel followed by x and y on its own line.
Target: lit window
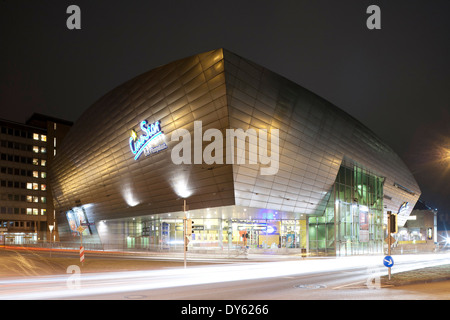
pixel 43 150
pixel 43 187
pixel 29 186
pixel 43 199
pixel 29 199
pixel 35 199
pixel 35 149
pixel 35 211
pixel 29 211
pixel 35 161
pixel 35 174
pixel 43 212
pixel 43 137
pixel 54 142
pixel 35 136
pixel 43 162
pixel 35 186
pixel 43 174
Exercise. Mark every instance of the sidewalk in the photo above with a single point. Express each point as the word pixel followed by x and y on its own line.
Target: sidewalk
pixel 425 275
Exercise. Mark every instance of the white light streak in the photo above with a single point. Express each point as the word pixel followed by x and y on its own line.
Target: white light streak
pixel 115 282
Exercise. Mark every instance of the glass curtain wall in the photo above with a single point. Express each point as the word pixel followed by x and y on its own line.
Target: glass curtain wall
pixel 217 233
pixel 352 222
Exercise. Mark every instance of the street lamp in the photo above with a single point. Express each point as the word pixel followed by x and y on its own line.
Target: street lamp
pixel 444 154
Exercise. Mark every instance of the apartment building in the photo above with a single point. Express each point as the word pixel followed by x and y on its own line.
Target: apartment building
pixel 26 202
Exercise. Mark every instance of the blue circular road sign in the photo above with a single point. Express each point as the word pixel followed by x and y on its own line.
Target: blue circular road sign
pixel 388 261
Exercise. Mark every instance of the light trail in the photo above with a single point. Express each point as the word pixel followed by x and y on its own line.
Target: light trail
pixel 85 285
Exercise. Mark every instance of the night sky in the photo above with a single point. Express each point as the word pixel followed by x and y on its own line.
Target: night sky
pixel 395 80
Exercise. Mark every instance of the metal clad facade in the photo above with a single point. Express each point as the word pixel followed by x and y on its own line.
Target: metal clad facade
pixel 95 167
pixel 315 137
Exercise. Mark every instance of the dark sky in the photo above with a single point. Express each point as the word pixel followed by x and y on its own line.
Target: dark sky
pixel 395 80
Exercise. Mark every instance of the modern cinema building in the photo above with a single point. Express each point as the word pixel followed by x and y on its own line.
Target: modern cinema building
pixel 259 160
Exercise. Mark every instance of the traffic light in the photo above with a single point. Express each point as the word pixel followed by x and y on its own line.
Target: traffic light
pixel 189 224
pixel 429 233
pixel 393 223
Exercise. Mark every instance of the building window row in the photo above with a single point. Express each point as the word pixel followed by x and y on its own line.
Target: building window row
pixel 13 184
pixel 17 132
pixel 22 146
pixel 23 185
pixel 36 186
pixel 23 198
pixel 38 162
pixel 23 172
pixel 23 134
pixel 37 149
pixel 17 224
pixel 22 159
pixel 37 136
pixel 36 199
pixel 27 211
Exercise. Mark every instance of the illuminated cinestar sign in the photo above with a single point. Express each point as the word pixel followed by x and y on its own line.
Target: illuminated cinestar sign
pixel 152 141
pixel 150 133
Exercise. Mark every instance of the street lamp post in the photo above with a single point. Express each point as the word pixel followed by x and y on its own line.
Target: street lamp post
pixel 51 233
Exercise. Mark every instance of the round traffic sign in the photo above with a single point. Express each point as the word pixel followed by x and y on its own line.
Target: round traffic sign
pixel 388 261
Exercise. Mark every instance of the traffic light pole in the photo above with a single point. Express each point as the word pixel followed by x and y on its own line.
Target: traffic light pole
pixel 389 241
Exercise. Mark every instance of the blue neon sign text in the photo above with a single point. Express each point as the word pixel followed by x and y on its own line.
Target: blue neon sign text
pixel 150 132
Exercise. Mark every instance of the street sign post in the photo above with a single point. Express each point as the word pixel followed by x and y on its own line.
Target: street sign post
pixel 82 255
pixel 80 229
pixel 388 261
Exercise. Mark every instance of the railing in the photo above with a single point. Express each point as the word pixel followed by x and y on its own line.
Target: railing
pixel 236 250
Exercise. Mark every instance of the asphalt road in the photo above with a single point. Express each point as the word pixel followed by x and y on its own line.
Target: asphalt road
pixel 348 284
pixel 309 279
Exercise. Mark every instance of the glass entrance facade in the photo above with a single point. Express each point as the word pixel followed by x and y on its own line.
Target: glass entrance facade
pixel 352 222
pixel 18 238
pixel 166 234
